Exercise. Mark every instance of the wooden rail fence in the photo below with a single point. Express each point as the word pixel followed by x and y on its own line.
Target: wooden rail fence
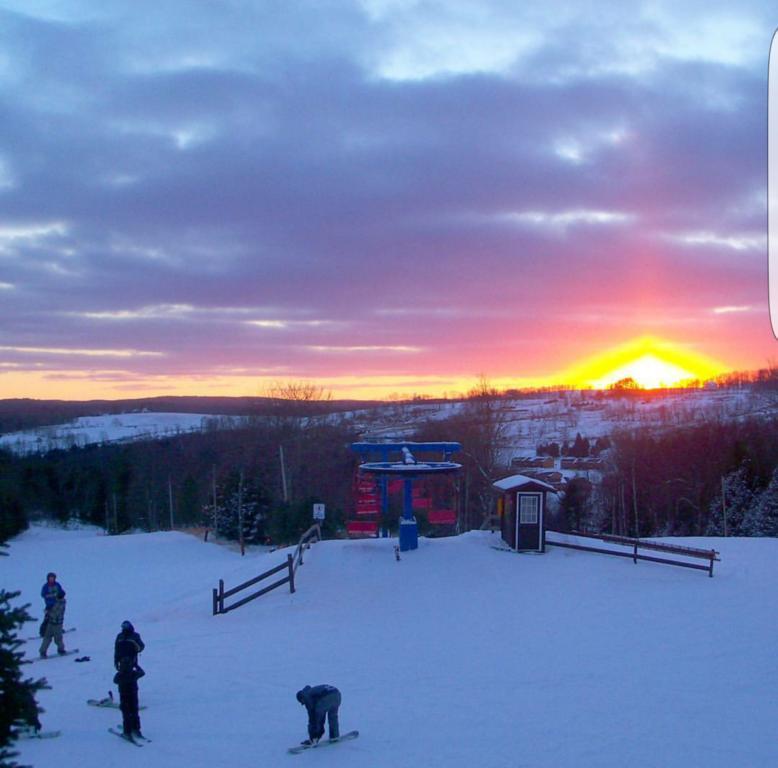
pixel 219 594
pixel 635 545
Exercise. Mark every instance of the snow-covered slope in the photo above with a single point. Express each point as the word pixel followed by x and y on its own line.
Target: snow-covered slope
pixel 458 655
pixel 87 430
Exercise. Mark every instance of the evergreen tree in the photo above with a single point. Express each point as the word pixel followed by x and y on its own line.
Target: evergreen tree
pixel 580 448
pixel 12 517
pixel 17 704
pixel 236 503
pixel 762 518
pixel 576 503
pixel 289 521
pixel 738 500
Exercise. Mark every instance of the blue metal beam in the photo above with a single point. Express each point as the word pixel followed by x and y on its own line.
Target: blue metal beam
pixel 384 449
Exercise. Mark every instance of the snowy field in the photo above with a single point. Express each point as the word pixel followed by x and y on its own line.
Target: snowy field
pixel 87 430
pixel 458 655
pixel 528 421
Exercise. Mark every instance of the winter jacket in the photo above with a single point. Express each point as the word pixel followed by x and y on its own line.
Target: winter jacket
pixel 51 593
pixel 55 616
pixel 127 644
pixel 127 677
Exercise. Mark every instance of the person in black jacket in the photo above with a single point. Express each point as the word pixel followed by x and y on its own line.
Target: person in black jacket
pixel 127 679
pixel 322 702
pixel 128 643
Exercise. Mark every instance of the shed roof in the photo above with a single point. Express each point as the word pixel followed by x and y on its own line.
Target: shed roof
pixel 516 481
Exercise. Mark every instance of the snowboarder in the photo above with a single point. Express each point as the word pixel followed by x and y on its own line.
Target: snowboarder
pixel 322 702
pixel 128 643
pixel 51 628
pixel 127 679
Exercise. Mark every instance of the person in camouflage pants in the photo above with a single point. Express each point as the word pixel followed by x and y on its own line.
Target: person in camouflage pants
pixel 55 618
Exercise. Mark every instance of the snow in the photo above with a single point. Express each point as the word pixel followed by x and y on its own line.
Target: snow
pixel 507 483
pixel 87 430
pixel 458 655
pixel 528 421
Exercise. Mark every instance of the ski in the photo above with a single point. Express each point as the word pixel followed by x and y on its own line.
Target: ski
pixel 54 656
pixel 303 747
pixel 38 637
pixel 39 734
pixel 136 735
pixel 108 703
pixel 128 739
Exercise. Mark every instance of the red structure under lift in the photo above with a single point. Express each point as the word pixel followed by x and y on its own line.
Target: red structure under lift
pixel 423 485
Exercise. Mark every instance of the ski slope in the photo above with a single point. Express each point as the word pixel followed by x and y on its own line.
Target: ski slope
pixel 459 655
pixel 109 428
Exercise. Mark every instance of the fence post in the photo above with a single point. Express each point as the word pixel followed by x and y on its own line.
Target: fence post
pixel 290 563
pixel 215 602
pixel 221 596
pixel 635 554
pixel 710 570
pixel 301 548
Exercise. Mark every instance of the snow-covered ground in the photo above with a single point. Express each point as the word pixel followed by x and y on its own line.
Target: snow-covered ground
pixel 457 656
pixel 87 430
pixel 528 421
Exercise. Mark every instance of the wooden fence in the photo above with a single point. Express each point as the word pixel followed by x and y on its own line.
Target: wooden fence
pixel 635 545
pixel 219 594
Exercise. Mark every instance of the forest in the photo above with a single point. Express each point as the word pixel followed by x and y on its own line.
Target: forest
pixel 259 482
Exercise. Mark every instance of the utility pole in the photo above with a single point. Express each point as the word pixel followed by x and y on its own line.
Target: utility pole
pixel 213 507
pixel 240 514
pixel 170 499
pixel 283 473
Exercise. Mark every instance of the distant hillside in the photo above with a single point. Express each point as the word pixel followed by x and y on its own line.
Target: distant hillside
pixel 24 413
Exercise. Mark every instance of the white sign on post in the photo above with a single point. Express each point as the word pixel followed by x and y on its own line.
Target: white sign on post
pixel 318 511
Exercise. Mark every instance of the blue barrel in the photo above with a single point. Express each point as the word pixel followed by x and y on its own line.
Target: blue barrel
pixel 409 535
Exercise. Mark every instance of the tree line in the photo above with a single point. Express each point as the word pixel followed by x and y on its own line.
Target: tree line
pixel 258 482
pixel 279 466
pixel 717 478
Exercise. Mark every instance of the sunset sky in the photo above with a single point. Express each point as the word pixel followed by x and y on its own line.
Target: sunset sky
pixel 380 196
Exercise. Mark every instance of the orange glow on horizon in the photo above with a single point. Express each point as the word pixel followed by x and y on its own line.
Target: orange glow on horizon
pixel 649 361
pixel 652 363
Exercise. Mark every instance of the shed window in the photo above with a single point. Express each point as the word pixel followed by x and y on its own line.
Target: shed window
pixel 528 510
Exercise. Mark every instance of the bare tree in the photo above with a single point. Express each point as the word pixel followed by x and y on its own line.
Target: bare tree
pixel 292 401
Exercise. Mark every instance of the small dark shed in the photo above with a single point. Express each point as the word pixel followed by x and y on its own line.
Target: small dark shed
pixel 522 508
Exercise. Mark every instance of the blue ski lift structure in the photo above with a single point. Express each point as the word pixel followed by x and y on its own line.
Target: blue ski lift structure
pixel 400 460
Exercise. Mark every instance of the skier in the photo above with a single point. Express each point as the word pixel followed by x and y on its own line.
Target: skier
pixel 128 643
pixel 51 628
pixel 322 702
pixel 127 679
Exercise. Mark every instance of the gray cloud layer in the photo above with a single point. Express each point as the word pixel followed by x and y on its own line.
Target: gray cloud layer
pixel 398 174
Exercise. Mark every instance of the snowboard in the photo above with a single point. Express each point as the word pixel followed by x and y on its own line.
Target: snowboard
pixel 55 656
pixel 128 739
pixel 325 743
pixel 39 734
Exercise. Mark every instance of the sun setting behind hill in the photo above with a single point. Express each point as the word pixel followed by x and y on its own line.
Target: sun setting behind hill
pixel 650 362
